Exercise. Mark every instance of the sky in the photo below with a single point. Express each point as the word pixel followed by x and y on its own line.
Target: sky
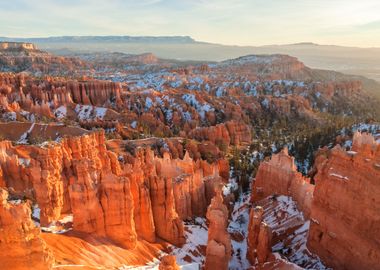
pixel 232 22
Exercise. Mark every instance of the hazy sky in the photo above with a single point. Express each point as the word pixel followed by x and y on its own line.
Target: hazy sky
pixel 240 22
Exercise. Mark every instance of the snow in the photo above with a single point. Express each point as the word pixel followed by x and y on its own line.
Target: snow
pixel 196 241
pixel 59 226
pixel 239 225
pixel 24 137
pixel 201 108
pixel 100 112
pixel 15 202
pixel 339 176
pixel 134 124
pixel 36 212
pixel 220 91
pixel 24 162
pixel 230 187
pixel 283 217
pixel 60 112
pixel 284 205
pixel 87 112
pixel 187 116
pixel 83 111
pixel 176 84
pixel 265 103
pixel 168 115
pixel 9 116
pixel 28 116
pixel 148 103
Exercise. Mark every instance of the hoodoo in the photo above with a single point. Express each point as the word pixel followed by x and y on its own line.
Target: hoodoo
pixel 218 252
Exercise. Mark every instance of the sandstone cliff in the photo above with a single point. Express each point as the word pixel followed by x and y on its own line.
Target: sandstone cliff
pixel 121 197
pixel 224 135
pixel 20 241
pixel 345 212
pixel 279 176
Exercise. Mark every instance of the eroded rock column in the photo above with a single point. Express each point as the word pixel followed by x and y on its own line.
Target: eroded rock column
pixel 218 252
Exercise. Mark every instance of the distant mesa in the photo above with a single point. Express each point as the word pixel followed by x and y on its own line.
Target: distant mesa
pixel 17 46
pixel 304 44
pixel 110 39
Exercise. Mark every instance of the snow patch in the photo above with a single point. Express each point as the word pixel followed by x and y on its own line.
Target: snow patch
pixel 60 112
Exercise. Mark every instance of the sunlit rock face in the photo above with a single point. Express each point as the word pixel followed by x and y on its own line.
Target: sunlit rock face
pixel 17 46
pixel 168 263
pixel 345 212
pixel 226 134
pixel 120 197
pixel 20 241
pixel 22 56
pixel 279 176
pixel 255 221
pixel 218 252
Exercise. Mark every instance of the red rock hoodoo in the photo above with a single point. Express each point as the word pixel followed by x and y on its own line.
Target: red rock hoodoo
pixel 218 252
pixel 279 176
pixel 120 197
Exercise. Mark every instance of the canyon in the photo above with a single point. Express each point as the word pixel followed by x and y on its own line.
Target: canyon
pixel 334 206
pixel 116 161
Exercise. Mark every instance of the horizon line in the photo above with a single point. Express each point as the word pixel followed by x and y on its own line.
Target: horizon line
pixel 195 40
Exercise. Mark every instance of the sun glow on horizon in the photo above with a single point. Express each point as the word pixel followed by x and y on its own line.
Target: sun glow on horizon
pixel 232 22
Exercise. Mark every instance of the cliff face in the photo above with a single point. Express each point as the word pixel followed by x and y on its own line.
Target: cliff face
pixel 275 66
pixel 168 263
pixel 117 196
pixel 101 200
pixel 345 214
pixel 17 46
pixel 218 252
pixel 44 98
pixel 21 56
pixel 21 244
pixel 279 176
pixel 223 135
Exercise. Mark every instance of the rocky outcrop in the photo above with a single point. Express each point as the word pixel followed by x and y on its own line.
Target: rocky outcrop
pixel 218 251
pixel 224 135
pixel 22 56
pixel 168 262
pixel 20 241
pixel 168 224
pixel 104 209
pixel 275 64
pixel 117 196
pixel 42 97
pixel 142 165
pixel 345 214
pixel 264 243
pixel 255 220
pixel 279 176
pixel 17 46
pixel 259 238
